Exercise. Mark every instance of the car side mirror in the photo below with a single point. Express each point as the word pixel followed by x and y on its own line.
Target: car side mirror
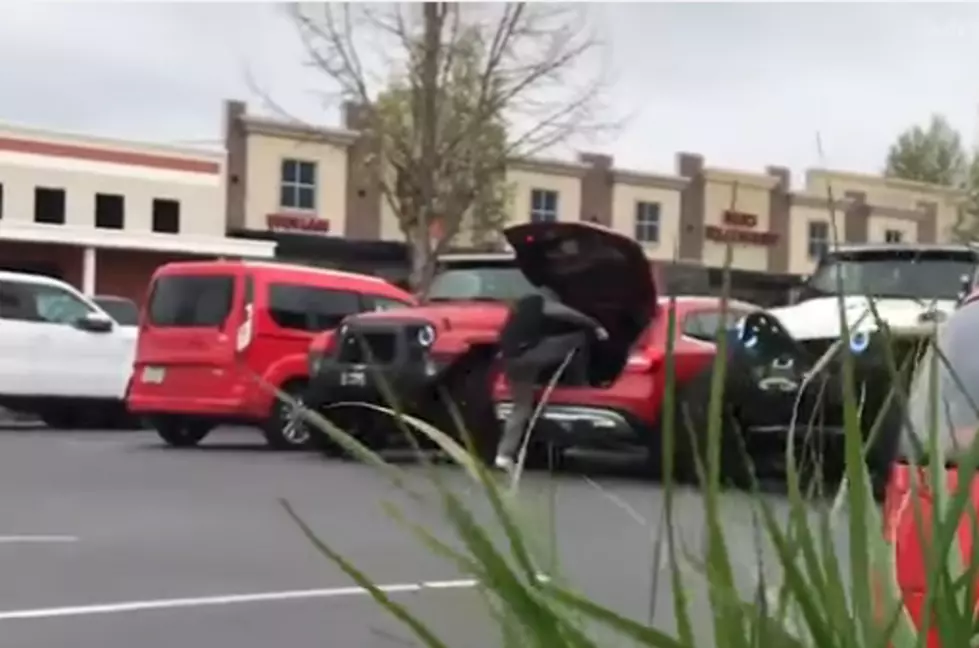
pixel 94 323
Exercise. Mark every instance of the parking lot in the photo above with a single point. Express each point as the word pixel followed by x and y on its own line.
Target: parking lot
pixel 110 540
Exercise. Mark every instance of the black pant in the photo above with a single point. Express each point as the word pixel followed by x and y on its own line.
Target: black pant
pixel 522 373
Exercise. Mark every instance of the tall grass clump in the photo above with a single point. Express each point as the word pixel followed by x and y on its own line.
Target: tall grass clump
pixel 818 599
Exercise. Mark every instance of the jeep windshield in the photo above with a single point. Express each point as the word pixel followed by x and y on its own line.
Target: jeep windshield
pixel 480 284
pixel 910 274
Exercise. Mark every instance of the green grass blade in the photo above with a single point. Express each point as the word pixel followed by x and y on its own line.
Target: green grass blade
pixel 646 635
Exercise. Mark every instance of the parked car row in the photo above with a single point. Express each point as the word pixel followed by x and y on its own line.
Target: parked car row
pixel 215 336
pixel 783 374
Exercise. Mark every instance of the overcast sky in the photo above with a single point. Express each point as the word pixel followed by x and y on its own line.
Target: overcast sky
pixel 746 85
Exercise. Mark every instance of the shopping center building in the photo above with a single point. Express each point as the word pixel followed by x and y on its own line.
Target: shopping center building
pixel 103 214
pixel 315 182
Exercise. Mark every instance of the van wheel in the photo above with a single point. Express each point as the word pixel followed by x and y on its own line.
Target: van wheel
pixel 180 433
pixel 285 429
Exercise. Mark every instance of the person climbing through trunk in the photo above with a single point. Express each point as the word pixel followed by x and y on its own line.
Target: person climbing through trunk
pixel 527 350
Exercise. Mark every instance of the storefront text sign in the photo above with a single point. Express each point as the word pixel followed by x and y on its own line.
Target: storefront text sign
pixel 298 223
pixel 739 229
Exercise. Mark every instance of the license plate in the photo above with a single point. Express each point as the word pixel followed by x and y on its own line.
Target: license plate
pixel 353 379
pixel 154 375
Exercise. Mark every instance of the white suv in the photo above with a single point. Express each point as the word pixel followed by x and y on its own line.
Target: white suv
pixel 62 357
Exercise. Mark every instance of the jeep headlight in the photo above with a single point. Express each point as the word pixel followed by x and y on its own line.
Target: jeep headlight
pixel 859 341
pixel 426 335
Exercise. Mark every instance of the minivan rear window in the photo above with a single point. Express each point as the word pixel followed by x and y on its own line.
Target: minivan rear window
pixel 191 300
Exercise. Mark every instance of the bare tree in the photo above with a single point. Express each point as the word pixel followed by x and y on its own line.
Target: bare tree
pixel 452 93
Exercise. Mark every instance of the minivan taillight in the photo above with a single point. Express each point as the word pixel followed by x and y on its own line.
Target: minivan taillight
pixel 246 330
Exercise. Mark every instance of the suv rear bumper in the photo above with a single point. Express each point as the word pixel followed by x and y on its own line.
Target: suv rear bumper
pixel 582 425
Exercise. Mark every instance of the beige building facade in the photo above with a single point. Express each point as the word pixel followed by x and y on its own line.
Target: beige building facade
pixel 103 214
pixel 317 180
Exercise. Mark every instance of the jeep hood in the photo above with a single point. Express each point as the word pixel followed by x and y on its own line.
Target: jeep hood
pixel 591 269
pixel 467 315
pixel 819 318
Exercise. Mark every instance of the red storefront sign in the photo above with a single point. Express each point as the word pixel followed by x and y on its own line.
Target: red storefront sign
pixel 740 230
pixel 297 223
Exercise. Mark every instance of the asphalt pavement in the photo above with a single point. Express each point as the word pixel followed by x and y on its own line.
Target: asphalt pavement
pixel 110 540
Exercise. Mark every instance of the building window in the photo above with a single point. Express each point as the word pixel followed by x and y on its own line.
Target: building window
pixel 543 205
pixel 166 216
pixel 893 236
pixel 49 206
pixel 818 239
pixel 297 189
pixel 109 211
pixel 647 222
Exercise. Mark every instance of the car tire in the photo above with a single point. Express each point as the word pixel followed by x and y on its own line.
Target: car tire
pixel 280 431
pixel 469 385
pixel 181 433
pixel 882 452
pixel 544 456
pixel 109 416
pixel 322 442
pixel 62 418
pixel 691 419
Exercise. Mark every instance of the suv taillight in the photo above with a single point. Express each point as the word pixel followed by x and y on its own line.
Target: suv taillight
pixel 642 357
pixel 639 361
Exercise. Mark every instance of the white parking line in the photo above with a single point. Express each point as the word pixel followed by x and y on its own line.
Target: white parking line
pixel 234 599
pixel 27 539
pixel 228 599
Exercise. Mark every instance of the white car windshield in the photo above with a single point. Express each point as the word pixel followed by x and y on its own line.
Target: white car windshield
pixel 914 274
pixel 480 284
pixel 944 393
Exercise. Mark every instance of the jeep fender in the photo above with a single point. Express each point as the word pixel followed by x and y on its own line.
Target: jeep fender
pixel 287 368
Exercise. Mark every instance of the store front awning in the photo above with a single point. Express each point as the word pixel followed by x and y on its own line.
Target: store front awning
pixel 222 246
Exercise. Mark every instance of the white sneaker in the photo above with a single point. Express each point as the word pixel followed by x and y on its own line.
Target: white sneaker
pixel 504 463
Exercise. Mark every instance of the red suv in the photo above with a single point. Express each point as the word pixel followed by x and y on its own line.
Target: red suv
pixel 211 330
pixel 447 347
pixel 624 414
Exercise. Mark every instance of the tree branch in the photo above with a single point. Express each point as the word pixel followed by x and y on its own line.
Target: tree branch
pixel 469 87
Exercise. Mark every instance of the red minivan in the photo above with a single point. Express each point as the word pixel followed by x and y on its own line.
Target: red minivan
pixel 212 331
